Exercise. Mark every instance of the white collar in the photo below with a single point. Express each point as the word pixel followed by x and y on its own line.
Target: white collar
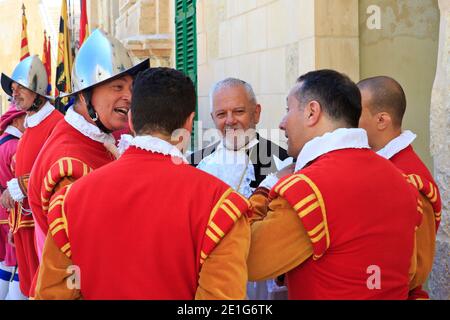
pixel 89 130
pixel 397 144
pixel 248 146
pixel 13 131
pixel 36 118
pixel 341 138
pixel 151 144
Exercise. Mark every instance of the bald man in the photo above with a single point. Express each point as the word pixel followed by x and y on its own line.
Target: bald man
pixel 383 108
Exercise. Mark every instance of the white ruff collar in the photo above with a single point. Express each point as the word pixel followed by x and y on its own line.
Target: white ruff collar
pixel 13 131
pixel 151 144
pixel 396 145
pixel 234 167
pixel 89 130
pixel 36 118
pixel 341 138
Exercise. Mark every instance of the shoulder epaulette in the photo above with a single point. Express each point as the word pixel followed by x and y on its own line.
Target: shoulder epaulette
pixel 430 191
pixel 228 210
pixel 63 168
pixel 306 199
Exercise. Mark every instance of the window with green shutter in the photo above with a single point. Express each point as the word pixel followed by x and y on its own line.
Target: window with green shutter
pixel 186 43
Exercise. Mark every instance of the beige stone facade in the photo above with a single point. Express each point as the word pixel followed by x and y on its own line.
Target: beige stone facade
pixel 144 26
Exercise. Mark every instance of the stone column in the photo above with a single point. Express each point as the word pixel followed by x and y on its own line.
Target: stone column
pixel 329 26
pixel 439 280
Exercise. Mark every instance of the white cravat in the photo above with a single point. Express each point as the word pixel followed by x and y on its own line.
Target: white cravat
pixel 233 167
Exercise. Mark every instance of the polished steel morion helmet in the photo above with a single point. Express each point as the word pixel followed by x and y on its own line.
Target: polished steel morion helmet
pixel 29 73
pixel 101 58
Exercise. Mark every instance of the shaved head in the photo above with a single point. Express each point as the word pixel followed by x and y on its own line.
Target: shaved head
pixel 385 95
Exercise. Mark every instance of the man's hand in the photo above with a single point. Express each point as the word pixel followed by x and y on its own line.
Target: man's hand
pixel 11 238
pixel 112 149
pixel 7 201
pixel 286 171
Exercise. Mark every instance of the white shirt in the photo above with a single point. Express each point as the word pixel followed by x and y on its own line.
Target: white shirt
pixel 233 167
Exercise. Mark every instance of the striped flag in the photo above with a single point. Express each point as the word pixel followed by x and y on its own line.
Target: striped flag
pixel 84 30
pixel 64 62
pixel 24 52
pixel 47 62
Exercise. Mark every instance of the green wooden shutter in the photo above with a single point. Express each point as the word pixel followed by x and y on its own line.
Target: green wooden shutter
pixel 186 44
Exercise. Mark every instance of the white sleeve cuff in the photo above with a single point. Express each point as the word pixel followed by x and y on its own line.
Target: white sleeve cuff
pixel 269 181
pixel 14 190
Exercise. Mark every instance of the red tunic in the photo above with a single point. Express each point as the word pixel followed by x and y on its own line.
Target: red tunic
pixel 66 148
pixel 22 223
pixel 8 147
pixel 357 218
pixel 408 161
pixel 141 227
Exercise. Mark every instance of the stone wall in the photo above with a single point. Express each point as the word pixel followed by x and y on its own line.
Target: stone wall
pixel 269 43
pixel 145 27
pixel 404 47
pixel 439 280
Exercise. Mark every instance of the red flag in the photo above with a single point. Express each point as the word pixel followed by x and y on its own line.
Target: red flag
pixel 84 31
pixel 45 56
pixel 49 60
pixel 24 52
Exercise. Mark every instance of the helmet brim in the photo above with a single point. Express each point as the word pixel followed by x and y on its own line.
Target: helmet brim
pixel 7 82
pixel 143 65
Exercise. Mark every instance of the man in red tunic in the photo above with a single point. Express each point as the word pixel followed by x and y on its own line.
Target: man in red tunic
pixel 76 146
pixel 11 129
pixel 28 87
pixel 149 225
pixel 337 226
pixel 384 104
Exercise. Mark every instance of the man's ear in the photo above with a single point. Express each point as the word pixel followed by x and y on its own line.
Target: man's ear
pixel 257 113
pixel 384 120
pixel 312 113
pixel 189 123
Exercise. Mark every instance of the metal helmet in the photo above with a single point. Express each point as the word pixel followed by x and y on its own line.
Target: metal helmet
pixel 101 58
pixel 29 73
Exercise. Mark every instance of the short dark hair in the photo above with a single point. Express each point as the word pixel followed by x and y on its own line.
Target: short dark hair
pixel 386 95
pixel 337 94
pixel 163 99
